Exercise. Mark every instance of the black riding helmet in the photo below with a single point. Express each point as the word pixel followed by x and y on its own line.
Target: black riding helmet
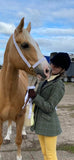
pixel 61 60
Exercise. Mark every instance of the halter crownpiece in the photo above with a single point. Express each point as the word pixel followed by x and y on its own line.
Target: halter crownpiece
pixel 24 59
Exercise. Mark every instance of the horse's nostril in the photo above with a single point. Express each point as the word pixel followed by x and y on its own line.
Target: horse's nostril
pixel 47 70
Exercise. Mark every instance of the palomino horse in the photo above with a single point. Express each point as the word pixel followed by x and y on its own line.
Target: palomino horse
pixel 22 52
pixel 27 80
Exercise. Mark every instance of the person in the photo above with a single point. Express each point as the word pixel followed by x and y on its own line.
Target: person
pixel 46 98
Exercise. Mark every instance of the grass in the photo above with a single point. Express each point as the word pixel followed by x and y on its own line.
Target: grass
pixel 70 107
pixel 66 147
pixel 72 115
pixel 69 83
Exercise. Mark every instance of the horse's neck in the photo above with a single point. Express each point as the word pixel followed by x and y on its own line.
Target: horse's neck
pixel 10 79
pixel 9 74
pixel 33 81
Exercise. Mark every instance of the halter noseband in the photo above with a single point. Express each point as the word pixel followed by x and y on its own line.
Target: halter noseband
pixel 24 59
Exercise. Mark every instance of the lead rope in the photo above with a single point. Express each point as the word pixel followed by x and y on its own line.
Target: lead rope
pixel 29 100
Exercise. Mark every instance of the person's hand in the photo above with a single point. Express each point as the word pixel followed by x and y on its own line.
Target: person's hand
pixel 31 93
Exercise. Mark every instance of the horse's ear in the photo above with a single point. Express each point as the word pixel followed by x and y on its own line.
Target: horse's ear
pixel 21 25
pixel 29 27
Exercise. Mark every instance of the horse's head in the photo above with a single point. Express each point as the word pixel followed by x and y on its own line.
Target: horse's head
pixel 26 54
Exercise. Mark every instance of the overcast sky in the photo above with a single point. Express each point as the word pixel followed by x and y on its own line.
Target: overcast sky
pixel 52 23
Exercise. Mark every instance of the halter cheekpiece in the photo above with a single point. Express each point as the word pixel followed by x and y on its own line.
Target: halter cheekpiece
pixel 24 59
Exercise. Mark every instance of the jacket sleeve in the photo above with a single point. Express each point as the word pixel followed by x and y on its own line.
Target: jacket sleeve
pixel 49 105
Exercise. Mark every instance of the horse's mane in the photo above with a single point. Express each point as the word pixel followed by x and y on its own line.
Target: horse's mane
pixel 6 54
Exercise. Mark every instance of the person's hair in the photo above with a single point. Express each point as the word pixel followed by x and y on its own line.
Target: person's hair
pixel 62 60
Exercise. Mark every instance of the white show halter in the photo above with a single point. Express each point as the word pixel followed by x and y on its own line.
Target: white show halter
pixel 24 59
pixel 28 64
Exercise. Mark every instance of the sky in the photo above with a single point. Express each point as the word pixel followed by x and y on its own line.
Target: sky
pixel 52 23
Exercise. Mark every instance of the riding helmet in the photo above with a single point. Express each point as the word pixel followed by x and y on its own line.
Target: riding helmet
pixel 61 59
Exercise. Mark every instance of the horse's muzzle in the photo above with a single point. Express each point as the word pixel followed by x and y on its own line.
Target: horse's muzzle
pixel 40 72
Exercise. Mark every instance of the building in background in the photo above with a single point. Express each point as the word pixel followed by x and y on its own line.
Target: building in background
pixel 69 74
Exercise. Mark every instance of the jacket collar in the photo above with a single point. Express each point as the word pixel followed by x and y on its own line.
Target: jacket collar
pixel 56 78
pixel 53 77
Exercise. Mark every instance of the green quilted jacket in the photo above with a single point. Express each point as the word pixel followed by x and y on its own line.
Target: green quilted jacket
pixel 46 121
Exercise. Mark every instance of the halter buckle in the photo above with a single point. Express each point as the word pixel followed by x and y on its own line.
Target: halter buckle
pixel 31 68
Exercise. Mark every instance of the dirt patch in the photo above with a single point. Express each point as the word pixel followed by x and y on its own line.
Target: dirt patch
pixel 68 99
pixel 66 115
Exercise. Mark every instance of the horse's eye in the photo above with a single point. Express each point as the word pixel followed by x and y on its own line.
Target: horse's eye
pixel 25 45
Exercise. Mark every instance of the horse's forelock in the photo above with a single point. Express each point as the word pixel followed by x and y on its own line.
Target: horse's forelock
pixel 31 41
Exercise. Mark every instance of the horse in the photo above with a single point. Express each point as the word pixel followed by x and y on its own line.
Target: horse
pixel 22 52
pixel 27 80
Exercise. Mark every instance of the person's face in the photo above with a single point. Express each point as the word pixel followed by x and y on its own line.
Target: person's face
pixel 56 70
